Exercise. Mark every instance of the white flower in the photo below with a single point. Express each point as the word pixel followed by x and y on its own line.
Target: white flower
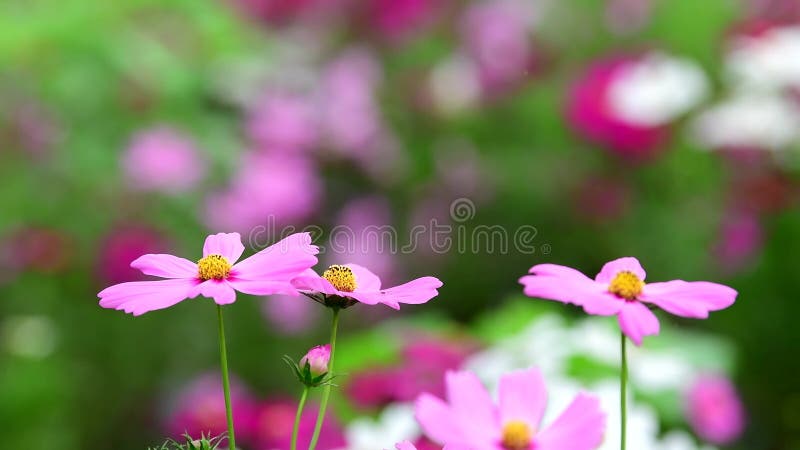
pixel 769 61
pixel 396 423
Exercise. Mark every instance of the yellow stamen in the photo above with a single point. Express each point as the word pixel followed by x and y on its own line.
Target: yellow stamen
pixel 341 277
pixel 516 435
pixel 626 285
pixel 214 267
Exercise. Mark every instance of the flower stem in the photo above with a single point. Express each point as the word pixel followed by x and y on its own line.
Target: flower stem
pixel 326 393
pixel 226 386
pixel 623 400
pixel 297 417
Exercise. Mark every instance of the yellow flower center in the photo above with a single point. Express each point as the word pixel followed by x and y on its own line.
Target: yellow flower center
pixel 516 435
pixel 626 285
pixel 213 267
pixel 341 277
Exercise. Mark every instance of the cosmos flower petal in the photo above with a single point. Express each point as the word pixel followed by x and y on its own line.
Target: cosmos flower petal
pixel 228 245
pixel 436 419
pixel 560 283
pixel 472 407
pixel 308 280
pixel 139 297
pixel 689 299
pixel 602 305
pixel 262 287
pixel 579 427
pixel 612 268
pixel 281 261
pixel 637 321
pixel 365 279
pixel 414 292
pixel 219 290
pixel 405 445
pixel 523 397
pixel 165 266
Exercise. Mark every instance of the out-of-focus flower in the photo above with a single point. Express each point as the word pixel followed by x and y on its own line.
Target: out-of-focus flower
pixel 470 419
pixel 162 159
pixel 317 360
pixel 30 336
pixel 395 423
pixel 41 249
pixel 289 315
pixel 766 58
pixel 283 122
pixel 200 408
pixel 714 409
pixel 267 187
pixel 740 236
pixel 122 246
pixel 749 122
pixel 398 19
pixel 33 128
pixel 628 16
pixel 216 275
pixel 602 199
pixel 619 290
pixel 626 103
pixel 345 285
pixel 275 420
pixel 454 84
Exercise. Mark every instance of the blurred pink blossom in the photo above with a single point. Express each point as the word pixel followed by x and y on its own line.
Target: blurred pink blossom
pixel 41 249
pixel 739 238
pixel 398 19
pixel 602 199
pixel 275 421
pixel 162 159
pixel 714 410
pixel 267 187
pixel 284 122
pixel 123 245
pixel 200 408
pixel 290 315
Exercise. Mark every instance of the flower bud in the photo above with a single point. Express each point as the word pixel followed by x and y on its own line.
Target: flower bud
pixel 317 360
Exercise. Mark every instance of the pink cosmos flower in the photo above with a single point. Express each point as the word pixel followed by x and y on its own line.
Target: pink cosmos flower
pixel 216 275
pixel 317 358
pixel 619 290
pixel 346 285
pixel 283 122
pixel 162 159
pixel 470 420
pixel 714 409
pixel 275 421
pixel 123 245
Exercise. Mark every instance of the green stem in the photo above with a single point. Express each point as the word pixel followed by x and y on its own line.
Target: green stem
pixel 226 385
pixel 326 393
pixel 623 384
pixel 297 417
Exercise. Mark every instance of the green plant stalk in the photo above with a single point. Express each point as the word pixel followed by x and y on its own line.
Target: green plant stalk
pixel 226 385
pixel 326 393
pixel 623 383
pixel 297 417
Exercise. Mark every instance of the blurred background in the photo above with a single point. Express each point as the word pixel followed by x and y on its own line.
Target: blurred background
pixel 663 129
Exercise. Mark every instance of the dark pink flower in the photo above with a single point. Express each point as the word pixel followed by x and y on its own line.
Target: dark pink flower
pixel 162 159
pixel 275 422
pixel 216 275
pixel 739 238
pixel 619 290
pixel 470 420
pixel 714 410
pixel 200 409
pixel 122 246
pixel 398 19
pixel 351 283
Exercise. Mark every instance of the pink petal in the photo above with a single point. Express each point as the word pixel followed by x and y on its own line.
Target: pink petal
pixel 689 299
pixel 258 287
pixel 405 445
pixel 219 290
pixel 603 305
pixel 612 268
pixel 228 245
pixel 637 321
pixel 436 419
pixel 414 292
pixel 365 280
pixel 308 280
pixel 281 261
pixel 139 297
pixel 472 408
pixel 523 397
pixel 560 283
pixel 165 266
pixel 579 427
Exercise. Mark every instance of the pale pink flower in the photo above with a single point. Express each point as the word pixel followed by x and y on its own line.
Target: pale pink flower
pixel 162 159
pixel 348 284
pixel 317 359
pixel 216 275
pixel 714 409
pixel 285 122
pixel 288 314
pixel 619 290
pixel 470 420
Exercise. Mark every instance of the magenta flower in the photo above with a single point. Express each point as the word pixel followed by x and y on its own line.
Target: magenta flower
pixel 470 420
pixel 122 246
pixel 714 410
pixel 274 427
pixel 346 285
pixel 163 159
pixel 317 359
pixel 216 275
pixel 619 290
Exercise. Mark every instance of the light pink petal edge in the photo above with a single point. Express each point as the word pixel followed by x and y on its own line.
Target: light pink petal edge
pixel 139 297
pixel 165 266
pixel 580 427
pixel 689 299
pixel 626 264
pixel 228 245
